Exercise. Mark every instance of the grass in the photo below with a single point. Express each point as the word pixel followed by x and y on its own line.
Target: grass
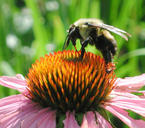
pixel 30 29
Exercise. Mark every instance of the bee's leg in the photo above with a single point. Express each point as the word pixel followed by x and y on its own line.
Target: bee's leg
pixel 75 47
pixel 82 52
pixel 84 44
pixel 107 55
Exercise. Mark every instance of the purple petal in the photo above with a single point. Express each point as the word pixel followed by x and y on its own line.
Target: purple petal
pixel 89 120
pixel 123 115
pixel 70 121
pixel 13 113
pixel 136 105
pixel 38 119
pixel 48 120
pixel 102 123
pixel 133 83
pixel 14 83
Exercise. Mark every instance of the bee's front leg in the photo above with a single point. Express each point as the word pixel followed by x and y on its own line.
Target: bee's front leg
pixel 84 44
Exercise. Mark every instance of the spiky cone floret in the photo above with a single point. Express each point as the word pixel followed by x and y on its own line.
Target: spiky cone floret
pixel 64 81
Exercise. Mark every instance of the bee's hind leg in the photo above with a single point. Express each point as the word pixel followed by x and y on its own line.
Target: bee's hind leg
pixel 107 55
pixel 84 44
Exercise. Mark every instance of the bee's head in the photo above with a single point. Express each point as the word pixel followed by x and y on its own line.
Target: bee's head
pixel 71 29
pixel 72 33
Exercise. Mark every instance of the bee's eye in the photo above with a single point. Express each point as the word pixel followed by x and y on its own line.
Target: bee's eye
pixel 86 23
pixel 71 29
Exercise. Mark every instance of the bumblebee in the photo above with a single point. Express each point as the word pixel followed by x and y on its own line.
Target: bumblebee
pixel 94 32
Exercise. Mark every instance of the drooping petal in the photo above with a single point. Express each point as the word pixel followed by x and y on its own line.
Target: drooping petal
pixel 117 93
pixel 13 82
pixel 70 121
pixel 89 120
pixel 44 117
pixel 19 76
pixel 48 120
pixel 123 115
pixel 12 103
pixel 13 113
pixel 136 105
pixel 133 83
pixel 102 123
pixel 18 111
pixel 128 92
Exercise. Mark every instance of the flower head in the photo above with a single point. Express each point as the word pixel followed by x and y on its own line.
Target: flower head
pixel 64 81
pixel 63 90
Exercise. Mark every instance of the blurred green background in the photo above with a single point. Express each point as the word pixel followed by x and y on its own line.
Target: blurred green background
pixel 32 28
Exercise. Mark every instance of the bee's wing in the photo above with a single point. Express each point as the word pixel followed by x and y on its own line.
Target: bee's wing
pixel 112 29
pixel 66 43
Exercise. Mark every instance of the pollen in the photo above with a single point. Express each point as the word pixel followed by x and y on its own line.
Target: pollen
pixel 64 81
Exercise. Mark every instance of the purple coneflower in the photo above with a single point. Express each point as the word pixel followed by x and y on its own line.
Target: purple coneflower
pixel 64 91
